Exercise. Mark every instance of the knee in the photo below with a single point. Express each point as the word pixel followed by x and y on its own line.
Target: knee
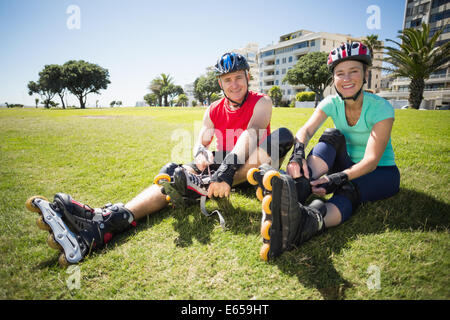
pixel 334 138
pixel 280 140
pixel 351 192
pixel 169 168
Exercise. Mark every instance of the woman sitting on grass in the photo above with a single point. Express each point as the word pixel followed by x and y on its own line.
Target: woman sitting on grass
pixel 354 161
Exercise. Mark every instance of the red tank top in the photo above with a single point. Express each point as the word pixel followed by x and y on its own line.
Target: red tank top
pixel 229 124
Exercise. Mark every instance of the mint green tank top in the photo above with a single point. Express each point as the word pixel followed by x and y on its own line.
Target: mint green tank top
pixel 374 109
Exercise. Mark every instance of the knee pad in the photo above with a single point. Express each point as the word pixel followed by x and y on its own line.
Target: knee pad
pixel 320 206
pixel 280 140
pixel 334 138
pixel 350 191
pixel 169 168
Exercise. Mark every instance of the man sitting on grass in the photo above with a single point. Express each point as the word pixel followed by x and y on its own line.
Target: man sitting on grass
pixel 241 124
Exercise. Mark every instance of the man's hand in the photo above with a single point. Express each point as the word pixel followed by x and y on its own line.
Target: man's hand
pixel 219 189
pixel 204 159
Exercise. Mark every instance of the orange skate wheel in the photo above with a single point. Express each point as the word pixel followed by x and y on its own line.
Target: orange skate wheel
pixel 161 177
pixel 41 224
pixel 250 176
pixel 267 179
pixel 265 228
pixel 52 242
pixel 63 263
pixel 267 200
pixel 259 194
pixel 264 252
pixel 30 205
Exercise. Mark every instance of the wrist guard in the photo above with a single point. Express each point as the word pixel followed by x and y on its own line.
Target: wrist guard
pixel 298 154
pixel 201 150
pixel 335 181
pixel 227 169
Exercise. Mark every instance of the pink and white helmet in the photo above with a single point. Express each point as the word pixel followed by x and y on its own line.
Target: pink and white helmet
pixel 349 51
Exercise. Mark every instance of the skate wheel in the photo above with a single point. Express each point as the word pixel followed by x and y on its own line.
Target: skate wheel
pixel 250 176
pixel 52 242
pixel 265 228
pixel 267 179
pixel 259 194
pixel 266 201
pixel 161 177
pixel 63 263
pixel 41 224
pixel 264 252
pixel 30 205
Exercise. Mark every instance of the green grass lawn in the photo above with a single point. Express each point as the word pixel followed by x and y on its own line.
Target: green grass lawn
pixel 110 155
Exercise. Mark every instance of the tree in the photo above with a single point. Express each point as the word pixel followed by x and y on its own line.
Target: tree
pixel 276 95
pixel 170 92
pixel 151 99
pixel 372 43
pixel 84 78
pixel 182 100
pixel 155 87
pixel 311 70
pixel 205 86
pixel 416 58
pixel 36 101
pixel 54 76
pixel 43 89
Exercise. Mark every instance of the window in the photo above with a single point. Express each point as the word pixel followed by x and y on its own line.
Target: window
pixel 440 16
pixel 324 42
pixel 290 59
pixel 276 82
pixel 267 53
pixel 283 71
pixel 277 62
pixel 437 3
pixel 283 60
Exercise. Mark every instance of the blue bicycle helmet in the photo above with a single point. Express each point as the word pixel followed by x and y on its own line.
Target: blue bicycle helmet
pixel 231 62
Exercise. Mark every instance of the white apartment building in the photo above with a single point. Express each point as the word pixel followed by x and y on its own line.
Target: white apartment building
pixel 276 59
pixel 437 87
pixel 250 52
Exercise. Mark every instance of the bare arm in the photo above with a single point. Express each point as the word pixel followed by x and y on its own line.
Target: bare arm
pixel 204 139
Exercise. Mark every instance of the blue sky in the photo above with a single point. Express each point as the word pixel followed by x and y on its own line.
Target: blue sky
pixel 137 40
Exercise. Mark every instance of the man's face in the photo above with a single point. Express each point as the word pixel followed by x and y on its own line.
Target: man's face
pixel 234 85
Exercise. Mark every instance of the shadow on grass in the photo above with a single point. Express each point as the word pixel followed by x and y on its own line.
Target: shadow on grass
pixel 407 211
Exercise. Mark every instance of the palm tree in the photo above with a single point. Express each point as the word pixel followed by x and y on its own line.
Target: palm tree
pixel 155 87
pixel 417 57
pixel 160 86
pixel 372 43
pixel 166 81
